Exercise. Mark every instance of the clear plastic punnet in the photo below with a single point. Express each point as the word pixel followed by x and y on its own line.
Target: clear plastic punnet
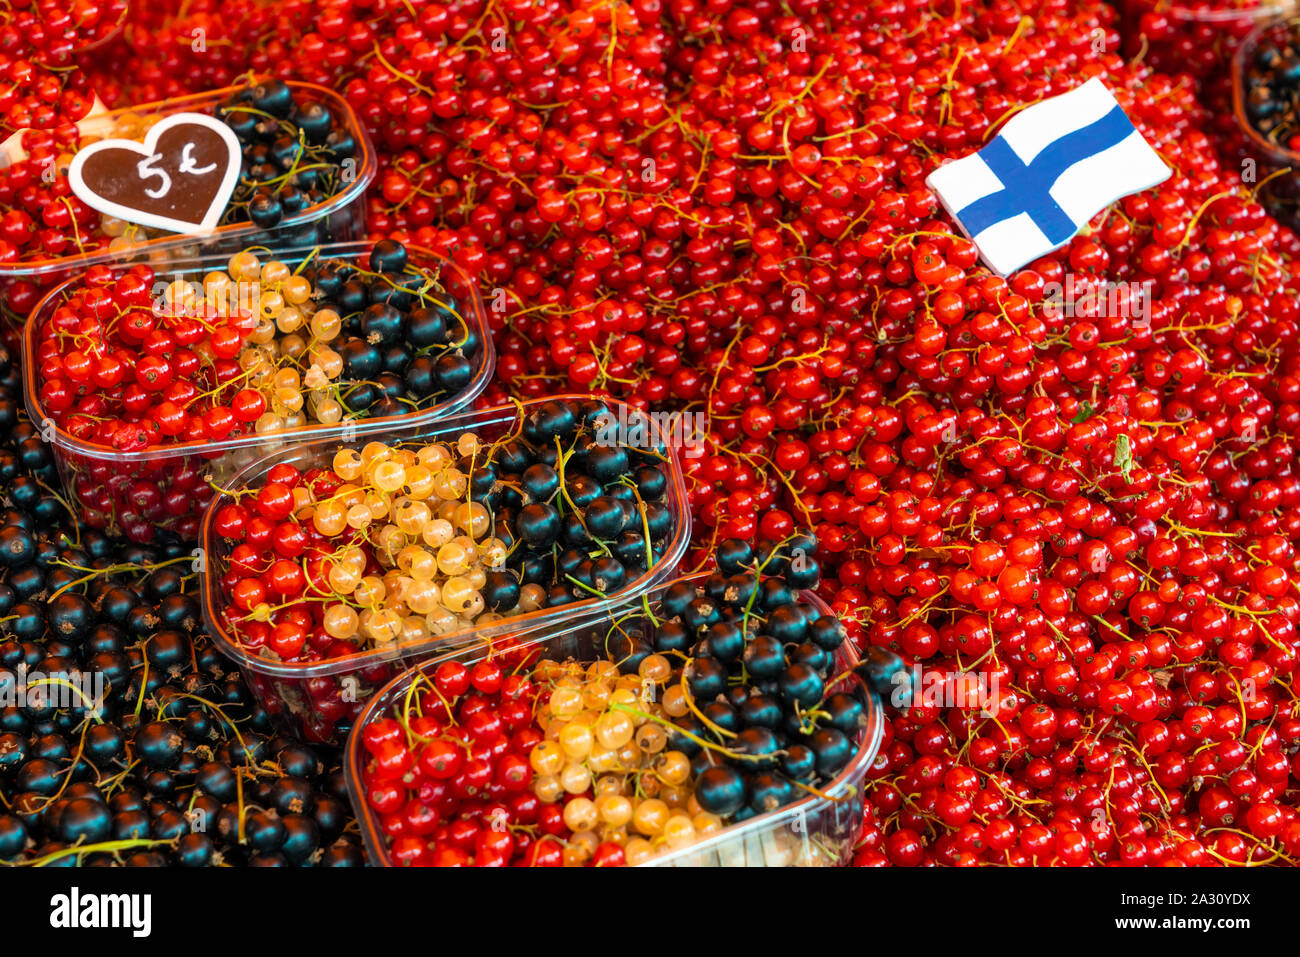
pixel 336 218
pixel 105 484
pixel 1276 166
pixel 816 831
pixel 313 699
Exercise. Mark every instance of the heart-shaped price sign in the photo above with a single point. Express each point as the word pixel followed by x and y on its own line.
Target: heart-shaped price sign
pixel 180 178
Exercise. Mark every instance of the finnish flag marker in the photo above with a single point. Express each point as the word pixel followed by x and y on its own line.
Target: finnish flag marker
pixel 1050 169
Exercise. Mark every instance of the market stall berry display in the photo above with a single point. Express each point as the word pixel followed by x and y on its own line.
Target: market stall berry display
pixel 719 209
pixel 787 281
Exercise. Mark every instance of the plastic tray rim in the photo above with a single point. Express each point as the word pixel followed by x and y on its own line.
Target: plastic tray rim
pixel 473 314
pixel 532 623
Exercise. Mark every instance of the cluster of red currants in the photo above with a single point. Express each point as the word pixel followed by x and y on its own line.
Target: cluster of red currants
pixel 864 374
pixel 449 776
pixel 1076 485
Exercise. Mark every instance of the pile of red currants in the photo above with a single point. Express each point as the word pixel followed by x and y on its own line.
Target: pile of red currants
pixel 1068 497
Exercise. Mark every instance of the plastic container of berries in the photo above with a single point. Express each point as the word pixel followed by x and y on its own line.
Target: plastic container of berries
pixel 158 492
pixel 1273 154
pixel 336 216
pixel 1194 36
pixel 1279 194
pixel 319 700
pixel 815 831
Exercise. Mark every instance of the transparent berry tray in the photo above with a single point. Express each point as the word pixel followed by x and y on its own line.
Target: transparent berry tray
pixel 1280 193
pixel 1273 155
pixel 338 218
pixel 816 831
pixel 93 474
pixel 310 698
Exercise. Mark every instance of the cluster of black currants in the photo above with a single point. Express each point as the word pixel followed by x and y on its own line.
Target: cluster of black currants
pixel 1272 88
pixel 125 737
pixel 121 722
pixel 1269 95
pixel 405 343
pixel 295 155
pixel 579 498
pixel 783 718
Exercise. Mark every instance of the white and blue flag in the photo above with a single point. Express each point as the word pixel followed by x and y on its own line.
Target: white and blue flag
pixel 1049 170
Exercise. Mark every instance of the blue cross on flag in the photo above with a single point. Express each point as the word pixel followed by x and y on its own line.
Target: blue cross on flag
pixel 1049 170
